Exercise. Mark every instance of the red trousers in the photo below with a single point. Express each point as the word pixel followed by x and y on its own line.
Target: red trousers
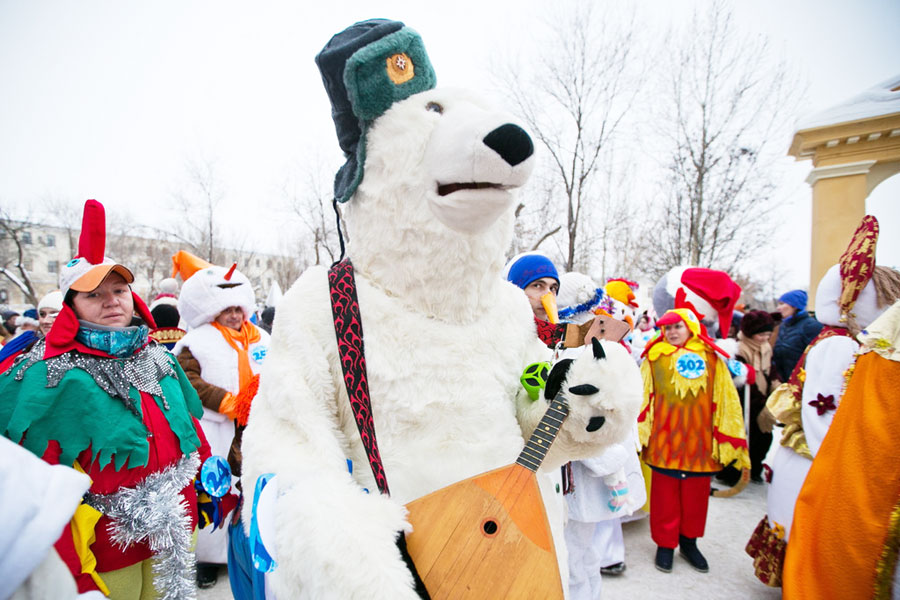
pixel 678 506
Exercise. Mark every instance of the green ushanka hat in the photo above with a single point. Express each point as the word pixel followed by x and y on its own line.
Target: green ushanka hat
pixel 365 69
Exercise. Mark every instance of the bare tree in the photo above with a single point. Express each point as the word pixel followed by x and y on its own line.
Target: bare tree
pixel 310 200
pixel 725 102
pixel 142 249
pixel 197 225
pixel 15 235
pixel 531 225
pixel 288 268
pixel 65 214
pixel 613 238
pixel 574 102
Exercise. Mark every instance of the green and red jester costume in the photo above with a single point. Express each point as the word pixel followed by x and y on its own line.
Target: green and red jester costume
pixel 130 423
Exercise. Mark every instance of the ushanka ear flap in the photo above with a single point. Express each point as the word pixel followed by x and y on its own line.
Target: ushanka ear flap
pixel 555 379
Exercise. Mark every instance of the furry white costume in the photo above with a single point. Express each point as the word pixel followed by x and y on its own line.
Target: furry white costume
pixel 446 340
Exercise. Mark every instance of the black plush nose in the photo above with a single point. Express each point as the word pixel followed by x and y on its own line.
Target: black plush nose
pixel 511 142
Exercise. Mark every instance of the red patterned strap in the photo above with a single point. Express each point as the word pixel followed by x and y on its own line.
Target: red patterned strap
pixel 349 333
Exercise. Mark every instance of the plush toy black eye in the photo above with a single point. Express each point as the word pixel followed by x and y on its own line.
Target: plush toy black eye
pixel 595 423
pixel 435 107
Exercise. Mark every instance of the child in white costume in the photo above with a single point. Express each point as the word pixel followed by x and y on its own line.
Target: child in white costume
pixel 603 489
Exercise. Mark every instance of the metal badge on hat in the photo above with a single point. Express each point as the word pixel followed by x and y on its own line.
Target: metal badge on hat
pixel 857 264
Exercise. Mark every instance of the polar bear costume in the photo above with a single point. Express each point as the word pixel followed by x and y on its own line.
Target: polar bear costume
pixel 446 340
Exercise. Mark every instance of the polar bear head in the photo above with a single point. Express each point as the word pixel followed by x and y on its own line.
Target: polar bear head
pixel 437 192
pixel 427 188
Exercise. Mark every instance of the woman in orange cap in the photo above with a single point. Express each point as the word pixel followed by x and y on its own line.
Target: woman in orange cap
pixel 97 395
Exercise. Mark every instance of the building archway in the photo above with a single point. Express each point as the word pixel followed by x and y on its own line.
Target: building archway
pixel 853 146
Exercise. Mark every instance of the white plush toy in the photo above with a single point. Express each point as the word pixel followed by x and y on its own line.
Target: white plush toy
pixel 428 183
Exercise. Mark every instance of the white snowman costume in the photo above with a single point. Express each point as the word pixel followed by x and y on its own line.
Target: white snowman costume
pixel 203 296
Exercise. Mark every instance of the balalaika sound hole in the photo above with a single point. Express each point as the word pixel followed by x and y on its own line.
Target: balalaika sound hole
pixel 489 527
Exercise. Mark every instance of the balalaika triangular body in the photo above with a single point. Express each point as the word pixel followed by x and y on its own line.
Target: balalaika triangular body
pixel 488 536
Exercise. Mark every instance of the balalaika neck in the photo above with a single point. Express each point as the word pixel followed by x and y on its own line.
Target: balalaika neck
pixel 538 444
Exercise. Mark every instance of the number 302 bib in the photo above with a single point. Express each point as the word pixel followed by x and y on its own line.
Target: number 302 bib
pixel 690 365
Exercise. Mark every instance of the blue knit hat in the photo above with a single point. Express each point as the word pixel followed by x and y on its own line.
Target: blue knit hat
pixel 528 267
pixel 365 69
pixel 795 298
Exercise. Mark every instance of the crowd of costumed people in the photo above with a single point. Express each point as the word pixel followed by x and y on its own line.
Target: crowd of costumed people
pixel 150 449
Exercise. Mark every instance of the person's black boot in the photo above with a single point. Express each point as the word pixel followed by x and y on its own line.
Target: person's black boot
pixel 664 559
pixel 614 569
pixel 207 575
pixel 687 547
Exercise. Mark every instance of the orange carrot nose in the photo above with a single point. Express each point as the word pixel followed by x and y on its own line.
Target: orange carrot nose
pixel 548 301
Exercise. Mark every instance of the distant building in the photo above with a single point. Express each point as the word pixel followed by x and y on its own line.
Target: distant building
pixel 46 248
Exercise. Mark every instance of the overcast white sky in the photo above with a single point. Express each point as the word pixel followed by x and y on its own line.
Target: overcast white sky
pixel 109 99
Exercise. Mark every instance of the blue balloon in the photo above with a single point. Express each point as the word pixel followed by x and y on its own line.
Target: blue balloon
pixel 215 476
pixel 262 560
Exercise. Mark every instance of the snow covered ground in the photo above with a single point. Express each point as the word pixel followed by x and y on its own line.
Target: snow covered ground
pixel 728 527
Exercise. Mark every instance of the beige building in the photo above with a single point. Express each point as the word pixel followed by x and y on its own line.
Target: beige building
pixel 853 147
pixel 47 248
pixel 44 250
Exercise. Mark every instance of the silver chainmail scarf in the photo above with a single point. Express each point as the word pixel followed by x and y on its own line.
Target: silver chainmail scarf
pixel 155 513
pixel 115 376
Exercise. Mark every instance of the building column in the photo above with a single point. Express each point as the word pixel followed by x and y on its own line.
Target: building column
pixel 838 205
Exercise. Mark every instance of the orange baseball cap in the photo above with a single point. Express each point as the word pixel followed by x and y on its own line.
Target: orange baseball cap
pixel 91 276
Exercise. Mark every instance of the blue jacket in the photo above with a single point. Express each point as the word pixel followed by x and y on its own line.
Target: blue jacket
pixel 794 336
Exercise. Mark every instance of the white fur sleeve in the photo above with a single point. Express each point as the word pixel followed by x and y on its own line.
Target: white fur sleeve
pixel 608 462
pixel 333 539
pixel 825 367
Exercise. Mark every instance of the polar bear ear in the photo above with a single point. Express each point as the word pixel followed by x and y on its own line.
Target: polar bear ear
pixel 556 378
pixel 597 348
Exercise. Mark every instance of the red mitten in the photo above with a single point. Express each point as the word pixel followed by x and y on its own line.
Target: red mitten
pixel 751 375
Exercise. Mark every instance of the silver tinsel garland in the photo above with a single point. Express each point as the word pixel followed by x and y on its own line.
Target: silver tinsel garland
pixel 154 512
pixel 143 370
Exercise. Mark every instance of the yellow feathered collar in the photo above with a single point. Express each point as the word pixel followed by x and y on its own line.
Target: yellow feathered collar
pixel 694 343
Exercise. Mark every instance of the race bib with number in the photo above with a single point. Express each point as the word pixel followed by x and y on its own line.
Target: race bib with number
pixel 690 365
